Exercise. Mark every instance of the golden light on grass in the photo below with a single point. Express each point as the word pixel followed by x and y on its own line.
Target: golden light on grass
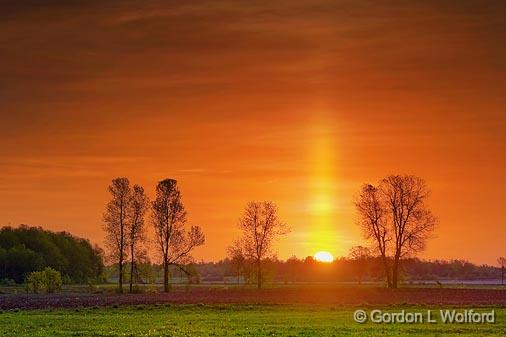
pixel 323 257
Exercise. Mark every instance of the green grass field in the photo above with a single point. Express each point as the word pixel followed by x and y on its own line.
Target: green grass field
pixel 225 320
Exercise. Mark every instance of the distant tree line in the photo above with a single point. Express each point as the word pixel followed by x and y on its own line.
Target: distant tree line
pixel 26 249
pixel 349 269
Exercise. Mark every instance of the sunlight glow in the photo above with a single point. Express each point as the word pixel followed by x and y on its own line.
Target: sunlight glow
pixel 323 181
pixel 323 257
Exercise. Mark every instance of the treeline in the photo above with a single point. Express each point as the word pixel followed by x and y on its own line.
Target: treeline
pixel 26 249
pixel 308 270
pixel 369 269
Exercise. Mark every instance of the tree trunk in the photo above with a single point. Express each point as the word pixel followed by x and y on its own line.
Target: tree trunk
pixel 387 271
pixel 395 273
pixel 259 274
pixel 165 277
pixel 131 267
pixel 121 248
pixel 120 266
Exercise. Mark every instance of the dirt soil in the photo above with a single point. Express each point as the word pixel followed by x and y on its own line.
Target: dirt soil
pixel 316 295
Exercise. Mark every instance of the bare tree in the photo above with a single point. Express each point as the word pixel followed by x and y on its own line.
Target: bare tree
pixel 169 219
pixel 360 255
pixel 260 226
pixel 139 203
pixel 411 220
pixel 373 221
pixel 237 259
pixel 115 220
pixel 502 263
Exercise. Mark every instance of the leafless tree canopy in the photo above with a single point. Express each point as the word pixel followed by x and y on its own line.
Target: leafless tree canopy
pixel 373 221
pixel 359 253
pixel 395 217
pixel 260 226
pixel 373 217
pixel 169 219
pixel 116 222
pixel 412 221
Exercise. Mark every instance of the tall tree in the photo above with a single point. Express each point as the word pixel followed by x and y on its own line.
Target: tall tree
pixel 411 220
pixel 373 222
pixel 139 203
pixel 169 219
pixel 396 217
pixel 260 226
pixel 116 223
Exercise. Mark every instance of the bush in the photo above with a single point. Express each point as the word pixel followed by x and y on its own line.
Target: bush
pixel 48 280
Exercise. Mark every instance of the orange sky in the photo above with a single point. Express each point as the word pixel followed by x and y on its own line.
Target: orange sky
pixel 299 102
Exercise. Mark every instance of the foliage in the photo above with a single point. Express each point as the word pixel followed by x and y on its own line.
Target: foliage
pixel 47 280
pixel 26 249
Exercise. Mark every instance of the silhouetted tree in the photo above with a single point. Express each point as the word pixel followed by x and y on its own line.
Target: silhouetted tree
pixel 360 255
pixel 502 263
pixel 396 217
pixel 260 226
pixel 116 222
pixel 373 221
pixel 238 260
pixel 139 203
pixel 169 219
pixel 411 220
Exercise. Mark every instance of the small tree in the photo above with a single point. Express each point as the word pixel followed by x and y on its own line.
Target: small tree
pixel 360 255
pixel 502 263
pixel 260 226
pixel 237 260
pixel 169 219
pixel 116 223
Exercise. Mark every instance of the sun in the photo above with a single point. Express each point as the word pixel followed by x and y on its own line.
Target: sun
pixel 323 257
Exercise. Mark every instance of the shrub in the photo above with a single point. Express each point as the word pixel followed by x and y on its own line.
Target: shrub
pixel 48 280
pixel 53 280
pixel 34 282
